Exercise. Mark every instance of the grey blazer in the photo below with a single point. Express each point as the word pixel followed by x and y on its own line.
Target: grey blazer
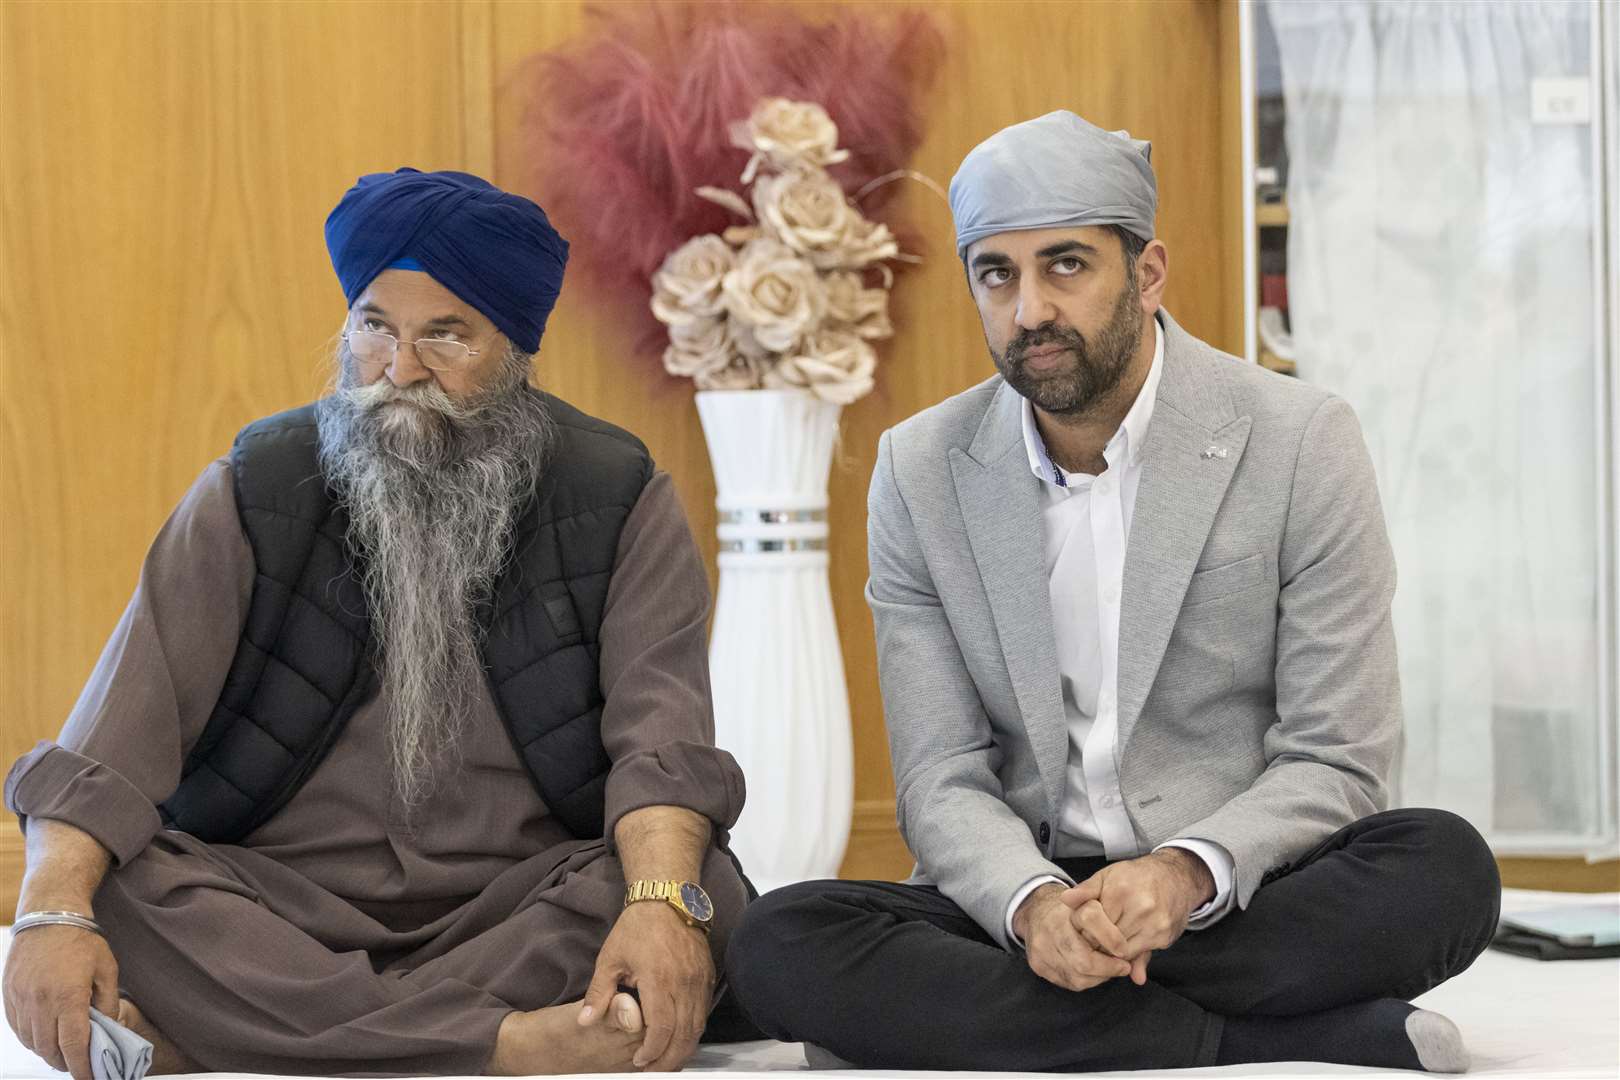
pixel 1259 705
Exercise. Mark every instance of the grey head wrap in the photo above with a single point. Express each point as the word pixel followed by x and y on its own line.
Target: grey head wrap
pixel 1055 171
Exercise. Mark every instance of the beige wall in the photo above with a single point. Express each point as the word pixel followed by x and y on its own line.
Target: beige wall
pixel 164 172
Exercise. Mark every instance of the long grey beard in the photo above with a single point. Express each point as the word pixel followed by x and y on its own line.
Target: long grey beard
pixel 433 486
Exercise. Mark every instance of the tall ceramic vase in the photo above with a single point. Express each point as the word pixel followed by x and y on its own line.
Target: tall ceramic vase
pixel 780 702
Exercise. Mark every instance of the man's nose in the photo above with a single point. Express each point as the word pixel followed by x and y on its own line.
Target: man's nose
pixel 1034 307
pixel 407 368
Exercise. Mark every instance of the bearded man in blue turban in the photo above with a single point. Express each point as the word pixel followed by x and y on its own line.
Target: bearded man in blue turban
pixel 1132 604
pixel 401 759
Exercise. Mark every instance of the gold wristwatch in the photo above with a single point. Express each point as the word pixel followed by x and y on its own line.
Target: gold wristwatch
pixel 686 897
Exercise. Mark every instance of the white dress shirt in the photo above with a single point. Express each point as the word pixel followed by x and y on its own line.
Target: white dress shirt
pixel 1086 522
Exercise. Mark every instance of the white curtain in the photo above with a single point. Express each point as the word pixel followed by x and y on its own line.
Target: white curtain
pixel 1440 278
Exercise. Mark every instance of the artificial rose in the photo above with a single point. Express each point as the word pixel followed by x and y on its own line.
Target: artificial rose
pixel 686 288
pixel 776 377
pixel 835 365
pixel 786 133
pixel 866 311
pixel 743 340
pixel 742 373
pixel 867 243
pixel 775 294
pixel 698 347
pixel 807 211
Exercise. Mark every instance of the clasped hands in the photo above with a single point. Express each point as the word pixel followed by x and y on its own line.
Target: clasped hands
pixel 668 963
pixel 1110 924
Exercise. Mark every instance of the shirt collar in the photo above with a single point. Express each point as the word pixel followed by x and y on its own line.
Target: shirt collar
pixel 1130 437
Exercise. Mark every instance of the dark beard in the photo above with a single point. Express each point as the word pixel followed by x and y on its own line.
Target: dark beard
pixel 1097 368
pixel 433 486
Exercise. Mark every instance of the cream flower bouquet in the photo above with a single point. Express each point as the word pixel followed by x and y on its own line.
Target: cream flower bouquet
pixel 781 301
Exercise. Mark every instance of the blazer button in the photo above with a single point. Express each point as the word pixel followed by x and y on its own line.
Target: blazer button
pixel 1046 832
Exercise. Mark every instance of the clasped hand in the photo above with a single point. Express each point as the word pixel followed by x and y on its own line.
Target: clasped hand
pixel 53 975
pixel 1108 925
pixel 653 950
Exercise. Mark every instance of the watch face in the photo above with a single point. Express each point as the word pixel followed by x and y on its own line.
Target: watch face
pixel 696 902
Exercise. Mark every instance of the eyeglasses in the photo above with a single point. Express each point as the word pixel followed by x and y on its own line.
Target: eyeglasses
pixel 437 354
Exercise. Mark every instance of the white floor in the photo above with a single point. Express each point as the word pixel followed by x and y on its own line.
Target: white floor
pixel 1522 1018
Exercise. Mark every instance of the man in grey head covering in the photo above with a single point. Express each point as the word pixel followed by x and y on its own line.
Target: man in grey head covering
pixel 1077 203
pixel 1132 601
pixel 1056 171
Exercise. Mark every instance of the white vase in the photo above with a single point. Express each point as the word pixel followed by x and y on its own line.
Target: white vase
pixel 780 702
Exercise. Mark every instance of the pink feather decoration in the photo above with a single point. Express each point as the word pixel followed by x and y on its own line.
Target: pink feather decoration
pixel 622 126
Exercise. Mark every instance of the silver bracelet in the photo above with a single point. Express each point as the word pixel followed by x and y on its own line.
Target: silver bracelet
pixel 30 919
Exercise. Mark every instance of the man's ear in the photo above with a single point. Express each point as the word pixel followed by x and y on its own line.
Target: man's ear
pixel 1152 274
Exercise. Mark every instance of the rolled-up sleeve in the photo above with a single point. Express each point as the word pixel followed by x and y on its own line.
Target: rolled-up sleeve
pixel 658 721
pixel 53 782
pixel 151 693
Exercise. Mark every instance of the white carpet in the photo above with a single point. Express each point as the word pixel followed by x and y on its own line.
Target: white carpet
pixel 1521 1018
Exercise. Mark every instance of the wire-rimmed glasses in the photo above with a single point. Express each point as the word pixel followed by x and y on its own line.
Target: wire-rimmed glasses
pixel 437 354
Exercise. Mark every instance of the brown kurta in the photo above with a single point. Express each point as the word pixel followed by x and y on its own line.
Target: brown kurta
pixel 344 935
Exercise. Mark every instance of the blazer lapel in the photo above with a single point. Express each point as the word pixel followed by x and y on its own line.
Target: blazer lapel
pixel 1193 446
pixel 1000 501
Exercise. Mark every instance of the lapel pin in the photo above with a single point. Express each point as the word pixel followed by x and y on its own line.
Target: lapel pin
pixel 1214 452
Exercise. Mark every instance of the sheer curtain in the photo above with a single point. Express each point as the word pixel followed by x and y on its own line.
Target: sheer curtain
pixel 1440 277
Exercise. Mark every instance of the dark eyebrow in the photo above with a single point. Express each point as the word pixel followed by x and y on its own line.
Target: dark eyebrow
pixel 1065 247
pixel 990 258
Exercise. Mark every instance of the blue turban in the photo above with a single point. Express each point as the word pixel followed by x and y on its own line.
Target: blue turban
pixel 494 250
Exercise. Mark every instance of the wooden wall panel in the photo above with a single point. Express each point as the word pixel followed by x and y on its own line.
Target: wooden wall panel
pixel 1152 67
pixel 165 169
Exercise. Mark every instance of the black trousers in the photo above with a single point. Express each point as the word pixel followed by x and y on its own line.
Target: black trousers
pixel 897 976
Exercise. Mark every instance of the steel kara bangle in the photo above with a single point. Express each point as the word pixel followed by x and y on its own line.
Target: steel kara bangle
pixel 30 919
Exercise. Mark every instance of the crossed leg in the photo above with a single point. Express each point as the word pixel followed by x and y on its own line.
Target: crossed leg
pixel 167 1058
pixel 897 976
pixel 237 964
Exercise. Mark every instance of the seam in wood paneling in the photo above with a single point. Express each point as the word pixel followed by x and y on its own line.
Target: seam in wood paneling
pixel 1232 168
pixel 873 815
pixel 477 28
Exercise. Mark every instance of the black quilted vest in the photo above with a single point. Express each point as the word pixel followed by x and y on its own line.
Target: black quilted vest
pixel 304 662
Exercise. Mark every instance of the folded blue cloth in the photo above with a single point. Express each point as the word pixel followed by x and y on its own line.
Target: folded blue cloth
pixel 117 1053
pixel 495 250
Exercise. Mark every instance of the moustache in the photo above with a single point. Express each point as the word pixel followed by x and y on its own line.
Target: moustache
pixel 428 399
pixel 1028 340
pixel 425 395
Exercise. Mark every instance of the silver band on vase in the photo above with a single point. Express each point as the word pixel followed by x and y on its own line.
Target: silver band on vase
pixel 758 547
pixel 771 517
pixel 748 529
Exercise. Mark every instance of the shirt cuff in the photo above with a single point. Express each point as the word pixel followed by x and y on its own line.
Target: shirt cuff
pixel 695 776
pixel 1219 861
pixel 1023 894
pixel 51 781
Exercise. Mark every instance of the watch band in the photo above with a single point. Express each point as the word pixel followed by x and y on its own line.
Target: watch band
pixel 673 894
pixel 651 890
